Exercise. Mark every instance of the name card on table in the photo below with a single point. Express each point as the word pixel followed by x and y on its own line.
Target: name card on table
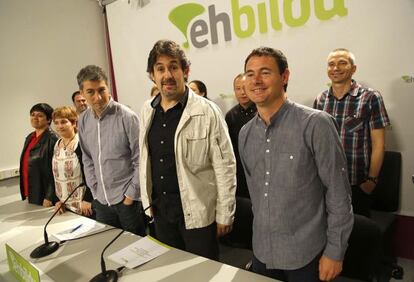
pixel 21 268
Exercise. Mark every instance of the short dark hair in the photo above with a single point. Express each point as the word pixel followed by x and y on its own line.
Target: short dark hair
pixel 92 73
pixel 44 108
pixel 76 93
pixel 279 57
pixel 168 48
pixel 201 86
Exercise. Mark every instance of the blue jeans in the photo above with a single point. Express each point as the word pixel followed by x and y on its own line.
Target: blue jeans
pixel 127 217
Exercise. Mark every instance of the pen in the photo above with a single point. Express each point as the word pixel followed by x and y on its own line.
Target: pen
pixel 76 228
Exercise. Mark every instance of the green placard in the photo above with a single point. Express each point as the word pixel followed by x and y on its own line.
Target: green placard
pixel 21 268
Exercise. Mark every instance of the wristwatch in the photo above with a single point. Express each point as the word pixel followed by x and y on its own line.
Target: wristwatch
pixel 372 179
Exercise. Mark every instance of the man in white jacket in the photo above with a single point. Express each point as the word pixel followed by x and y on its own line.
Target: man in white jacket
pixel 187 165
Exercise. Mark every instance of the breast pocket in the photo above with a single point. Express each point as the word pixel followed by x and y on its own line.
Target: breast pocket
pixel 354 123
pixel 196 147
pixel 290 168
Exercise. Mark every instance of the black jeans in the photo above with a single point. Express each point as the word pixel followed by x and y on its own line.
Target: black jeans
pixel 308 273
pixel 199 241
pixel 127 217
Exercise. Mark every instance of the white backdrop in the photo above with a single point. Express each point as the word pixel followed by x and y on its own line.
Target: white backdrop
pixel 379 32
pixel 43 46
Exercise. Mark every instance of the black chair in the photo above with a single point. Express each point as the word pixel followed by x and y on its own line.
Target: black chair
pixel 368 257
pixel 386 197
pixel 386 201
pixel 364 250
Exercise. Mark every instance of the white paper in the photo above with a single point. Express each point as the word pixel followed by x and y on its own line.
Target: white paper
pixel 138 253
pixel 78 228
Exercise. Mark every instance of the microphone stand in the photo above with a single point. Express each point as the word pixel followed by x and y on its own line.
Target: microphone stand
pixel 47 247
pixel 106 275
pixel 109 275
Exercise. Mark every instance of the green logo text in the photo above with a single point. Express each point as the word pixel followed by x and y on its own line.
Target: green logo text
pixel 245 20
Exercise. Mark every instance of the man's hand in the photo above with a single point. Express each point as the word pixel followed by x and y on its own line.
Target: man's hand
pixel 47 203
pixel 86 208
pixel 58 206
pixel 128 201
pixel 329 269
pixel 367 187
pixel 223 229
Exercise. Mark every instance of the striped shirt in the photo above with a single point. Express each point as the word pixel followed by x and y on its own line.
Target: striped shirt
pixel 357 113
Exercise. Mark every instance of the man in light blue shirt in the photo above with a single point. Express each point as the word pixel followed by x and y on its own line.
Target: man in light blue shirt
pixel 108 133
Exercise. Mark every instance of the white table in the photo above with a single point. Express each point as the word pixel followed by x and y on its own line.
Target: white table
pixel 21 226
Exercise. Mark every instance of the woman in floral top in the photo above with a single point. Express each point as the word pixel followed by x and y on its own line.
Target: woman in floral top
pixel 67 164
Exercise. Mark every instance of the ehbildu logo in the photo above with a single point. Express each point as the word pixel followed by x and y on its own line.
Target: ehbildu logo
pixel 202 33
pixel 408 78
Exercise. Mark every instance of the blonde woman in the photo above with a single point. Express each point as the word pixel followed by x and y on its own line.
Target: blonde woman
pixel 67 164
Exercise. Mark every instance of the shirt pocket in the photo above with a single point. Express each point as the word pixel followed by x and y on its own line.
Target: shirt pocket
pixel 292 170
pixel 196 147
pixel 354 123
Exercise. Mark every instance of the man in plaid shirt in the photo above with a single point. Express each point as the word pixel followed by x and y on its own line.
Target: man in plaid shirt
pixel 361 117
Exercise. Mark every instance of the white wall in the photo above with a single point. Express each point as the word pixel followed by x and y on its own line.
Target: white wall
pixel 379 32
pixel 43 44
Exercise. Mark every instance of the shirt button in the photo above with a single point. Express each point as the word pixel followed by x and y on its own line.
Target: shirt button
pixel 164 125
pixel 161 160
pixel 267 183
pixel 162 142
pixel 267 172
pixel 268 140
pixel 267 151
pixel 265 194
pixel 343 169
pixel 291 157
pixel 165 193
pixel 162 177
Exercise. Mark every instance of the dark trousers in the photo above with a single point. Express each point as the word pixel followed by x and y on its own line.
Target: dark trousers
pixel 130 218
pixel 199 241
pixel 241 235
pixel 361 201
pixel 308 273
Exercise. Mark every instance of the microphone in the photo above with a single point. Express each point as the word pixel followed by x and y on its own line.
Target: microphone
pixel 106 275
pixel 109 275
pixel 50 247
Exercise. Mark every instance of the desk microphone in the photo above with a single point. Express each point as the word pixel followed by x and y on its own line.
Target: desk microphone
pixel 50 247
pixel 106 275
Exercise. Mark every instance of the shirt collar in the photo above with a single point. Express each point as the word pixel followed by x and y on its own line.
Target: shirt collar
pixel 250 109
pixel 353 91
pixel 107 109
pixel 285 106
pixel 182 101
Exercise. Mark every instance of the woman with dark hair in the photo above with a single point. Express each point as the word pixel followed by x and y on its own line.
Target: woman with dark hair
pixel 199 88
pixel 36 177
pixel 67 164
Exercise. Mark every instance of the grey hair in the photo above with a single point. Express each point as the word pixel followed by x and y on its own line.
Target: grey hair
pixel 92 73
